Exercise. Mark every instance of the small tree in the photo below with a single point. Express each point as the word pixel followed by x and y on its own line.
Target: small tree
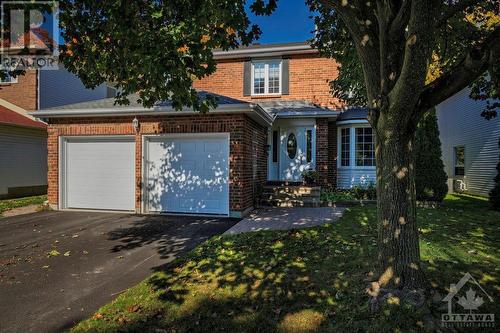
pixel 495 192
pixel 430 178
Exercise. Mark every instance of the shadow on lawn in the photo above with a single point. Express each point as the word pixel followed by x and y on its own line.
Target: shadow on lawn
pixel 308 280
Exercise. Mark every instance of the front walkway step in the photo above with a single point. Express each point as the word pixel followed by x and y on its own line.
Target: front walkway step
pixel 290 196
pixel 286 218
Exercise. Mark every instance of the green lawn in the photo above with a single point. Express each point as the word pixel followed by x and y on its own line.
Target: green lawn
pixel 308 280
pixel 21 202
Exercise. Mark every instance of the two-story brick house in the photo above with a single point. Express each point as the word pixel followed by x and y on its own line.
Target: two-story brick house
pixel 276 118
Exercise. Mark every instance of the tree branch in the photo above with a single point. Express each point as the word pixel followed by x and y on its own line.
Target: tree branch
pixel 401 19
pixel 365 42
pixel 417 51
pixel 454 10
pixel 473 65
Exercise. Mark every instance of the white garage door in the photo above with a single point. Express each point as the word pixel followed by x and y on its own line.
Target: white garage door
pixel 188 174
pixel 99 173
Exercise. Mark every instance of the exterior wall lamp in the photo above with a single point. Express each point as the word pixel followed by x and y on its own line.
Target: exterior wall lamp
pixel 136 124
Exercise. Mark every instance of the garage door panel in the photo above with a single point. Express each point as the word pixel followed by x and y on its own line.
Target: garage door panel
pixel 100 174
pixel 195 176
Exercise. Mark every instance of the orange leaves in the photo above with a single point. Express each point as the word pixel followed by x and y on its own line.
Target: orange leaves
pixel 183 49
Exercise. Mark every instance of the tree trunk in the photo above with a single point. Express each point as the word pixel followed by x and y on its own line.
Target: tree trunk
pixel 399 252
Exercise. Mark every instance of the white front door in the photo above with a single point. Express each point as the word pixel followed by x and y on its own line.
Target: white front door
pixel 188 174
pixel 297 152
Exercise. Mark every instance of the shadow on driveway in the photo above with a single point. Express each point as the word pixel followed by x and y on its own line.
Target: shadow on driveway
pixel 57 268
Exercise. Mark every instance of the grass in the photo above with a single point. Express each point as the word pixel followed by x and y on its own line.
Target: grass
pixel 306 280
pixel 21 202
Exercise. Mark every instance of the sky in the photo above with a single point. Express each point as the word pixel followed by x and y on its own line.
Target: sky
pixel 289 23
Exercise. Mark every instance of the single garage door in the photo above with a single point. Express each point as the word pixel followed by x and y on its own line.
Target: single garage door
pixel 99 173
pixel 188 174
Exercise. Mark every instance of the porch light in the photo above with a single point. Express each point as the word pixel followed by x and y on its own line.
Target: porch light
pixel 135 124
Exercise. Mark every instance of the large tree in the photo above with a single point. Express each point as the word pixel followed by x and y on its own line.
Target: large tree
pixel 158 48
pixel 412 55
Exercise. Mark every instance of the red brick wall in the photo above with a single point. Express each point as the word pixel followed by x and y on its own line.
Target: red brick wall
pixel 322 150
pixel 241 128
pixel 332 154
pixel 309 80
pixel 23 93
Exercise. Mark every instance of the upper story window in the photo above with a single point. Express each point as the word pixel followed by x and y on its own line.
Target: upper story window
pixel 8 79
pixel 266 77
pixel 459 161
pixel 365 147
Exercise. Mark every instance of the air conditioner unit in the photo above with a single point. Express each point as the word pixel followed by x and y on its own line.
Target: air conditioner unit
pixel 459 185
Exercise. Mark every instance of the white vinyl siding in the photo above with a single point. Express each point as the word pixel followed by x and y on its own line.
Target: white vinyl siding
pixel 23 161
pixel 461 125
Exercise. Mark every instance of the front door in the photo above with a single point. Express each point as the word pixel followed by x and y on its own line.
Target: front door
pixel 297 152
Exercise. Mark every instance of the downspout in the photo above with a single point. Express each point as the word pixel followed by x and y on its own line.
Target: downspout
pixel 38 89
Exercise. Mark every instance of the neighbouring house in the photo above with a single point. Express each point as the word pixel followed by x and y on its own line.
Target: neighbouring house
pixel 469 144
pixel 23 139
pixel 23 151
pixel 275 118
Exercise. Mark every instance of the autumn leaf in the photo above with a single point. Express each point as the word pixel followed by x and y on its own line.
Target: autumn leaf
pixel 53 253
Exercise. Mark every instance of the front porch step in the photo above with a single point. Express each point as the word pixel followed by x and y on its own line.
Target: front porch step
pixel 296 190
pixel 290 203
pixel 290 196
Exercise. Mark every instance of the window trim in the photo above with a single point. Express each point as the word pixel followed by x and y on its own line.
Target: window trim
pixel 356 143
pixel 13 80
pixel 455 161
pixel 352 154
pixel 266 77
pixel 341 150
pixel 275 146
pixel 309 144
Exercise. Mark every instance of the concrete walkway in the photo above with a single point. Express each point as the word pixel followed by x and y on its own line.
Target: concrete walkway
pixel 286 218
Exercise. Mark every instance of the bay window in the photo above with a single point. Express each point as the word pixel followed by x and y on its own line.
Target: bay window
pixel 365 147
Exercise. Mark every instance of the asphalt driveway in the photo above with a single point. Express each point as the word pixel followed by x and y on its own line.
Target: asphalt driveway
pixel 57 268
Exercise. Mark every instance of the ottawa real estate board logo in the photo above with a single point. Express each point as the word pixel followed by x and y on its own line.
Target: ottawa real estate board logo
pixel 30 34
pixel 464 300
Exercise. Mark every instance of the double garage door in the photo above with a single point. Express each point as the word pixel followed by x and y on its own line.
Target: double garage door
pixel 181 174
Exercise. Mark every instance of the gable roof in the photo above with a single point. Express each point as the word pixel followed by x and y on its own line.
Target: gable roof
pixel 10 117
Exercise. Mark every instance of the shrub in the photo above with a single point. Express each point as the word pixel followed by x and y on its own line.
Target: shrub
pixel 430 177
pixel 357 192
pixel 368 192
pixel 495 192
pixel 310 177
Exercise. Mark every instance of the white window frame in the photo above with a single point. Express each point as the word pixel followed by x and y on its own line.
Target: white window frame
pixel 266 77
pixel 352 144
pixel 356 146
pixel 455 161
pixel 12 80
